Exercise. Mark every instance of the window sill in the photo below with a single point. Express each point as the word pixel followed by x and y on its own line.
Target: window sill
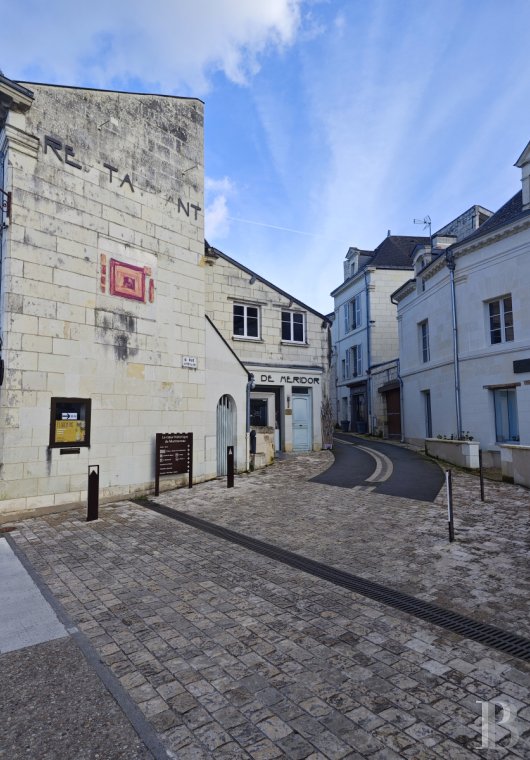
pixel 301 343
pixel 247 340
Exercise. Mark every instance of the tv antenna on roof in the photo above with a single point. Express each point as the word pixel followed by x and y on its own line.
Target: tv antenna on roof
pixel 426 223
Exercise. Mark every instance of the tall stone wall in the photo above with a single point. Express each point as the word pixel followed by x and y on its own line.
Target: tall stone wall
pixel 102 290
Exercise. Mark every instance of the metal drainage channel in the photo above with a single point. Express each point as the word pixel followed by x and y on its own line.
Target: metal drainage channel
pixel 488 635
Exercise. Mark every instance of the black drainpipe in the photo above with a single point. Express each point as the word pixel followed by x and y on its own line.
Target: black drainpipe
pixel 402 403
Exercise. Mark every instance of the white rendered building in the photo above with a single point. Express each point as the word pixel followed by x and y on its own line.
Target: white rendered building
pixel 464 332
pixel 365 338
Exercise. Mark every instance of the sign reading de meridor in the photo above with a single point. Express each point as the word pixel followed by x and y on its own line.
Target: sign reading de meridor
pixel 174 456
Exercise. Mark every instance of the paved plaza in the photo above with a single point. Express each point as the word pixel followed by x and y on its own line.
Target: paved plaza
pixel 226 653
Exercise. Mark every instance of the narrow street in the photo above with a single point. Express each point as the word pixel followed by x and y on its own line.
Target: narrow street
pixel 386 468
pixel 215 650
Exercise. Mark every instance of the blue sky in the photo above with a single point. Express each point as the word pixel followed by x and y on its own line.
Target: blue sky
pixel 327 122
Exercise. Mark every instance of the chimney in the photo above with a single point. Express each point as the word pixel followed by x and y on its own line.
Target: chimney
pixel 388 233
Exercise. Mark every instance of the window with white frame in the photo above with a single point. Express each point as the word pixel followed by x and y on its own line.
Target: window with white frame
pixel 246 321
pixel 357 360
pixel 343 363
pixel 506 422
pixel 346 317
pixel 355 312
pixel 293 326
pixel 425 350
pixel 348 364
pixel 500 320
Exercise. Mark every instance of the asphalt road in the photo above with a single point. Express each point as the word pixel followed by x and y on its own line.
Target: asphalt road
pixel 387 468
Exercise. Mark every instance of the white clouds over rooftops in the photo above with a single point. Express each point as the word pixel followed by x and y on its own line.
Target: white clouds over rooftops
pixel 173 45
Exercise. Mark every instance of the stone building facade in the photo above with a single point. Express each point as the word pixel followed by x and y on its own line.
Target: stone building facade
pixel 103 296
pixel 116 323
pixel 282 342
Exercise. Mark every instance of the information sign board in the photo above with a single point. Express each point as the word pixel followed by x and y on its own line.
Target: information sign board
pixel 174 456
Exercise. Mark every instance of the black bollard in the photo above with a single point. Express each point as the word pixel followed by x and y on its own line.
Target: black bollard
pixel 230 467
pixel 450 523
pixel 481 472
pixel 93 493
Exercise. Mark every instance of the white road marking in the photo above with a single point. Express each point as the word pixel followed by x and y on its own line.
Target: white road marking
pixel 384 467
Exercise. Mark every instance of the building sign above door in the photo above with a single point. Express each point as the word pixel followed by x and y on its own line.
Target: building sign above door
pixel 278 379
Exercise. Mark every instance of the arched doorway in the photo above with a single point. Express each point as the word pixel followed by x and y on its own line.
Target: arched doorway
pixel 226 430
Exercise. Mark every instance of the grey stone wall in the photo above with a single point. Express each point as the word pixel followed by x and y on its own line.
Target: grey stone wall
pixel 100 177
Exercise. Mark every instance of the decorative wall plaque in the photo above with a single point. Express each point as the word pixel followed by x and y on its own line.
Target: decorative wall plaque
pixel 127 281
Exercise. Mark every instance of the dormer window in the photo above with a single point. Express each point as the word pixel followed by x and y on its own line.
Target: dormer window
pixel 351 265
pixel 422 260
pixel 418 266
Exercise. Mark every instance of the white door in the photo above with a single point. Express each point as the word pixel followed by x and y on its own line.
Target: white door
pixel 226 431
pixel 301 423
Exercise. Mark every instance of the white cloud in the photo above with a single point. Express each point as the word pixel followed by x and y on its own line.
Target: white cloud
pixel 216 221
pixel 216 224
pixel 167 44
pixel 224 185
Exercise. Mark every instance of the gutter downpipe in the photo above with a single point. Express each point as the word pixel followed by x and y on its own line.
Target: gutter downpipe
pixel 251 384
pixel 401 385
pixel 451 265
pixel 402 402
pixel 368 355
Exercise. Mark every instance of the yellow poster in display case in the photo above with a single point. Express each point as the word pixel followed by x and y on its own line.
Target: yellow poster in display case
pixel 70 422
pixel 69 431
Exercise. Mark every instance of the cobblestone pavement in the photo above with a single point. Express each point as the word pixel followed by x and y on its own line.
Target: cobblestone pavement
pixel 394 541
pixel 230 654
